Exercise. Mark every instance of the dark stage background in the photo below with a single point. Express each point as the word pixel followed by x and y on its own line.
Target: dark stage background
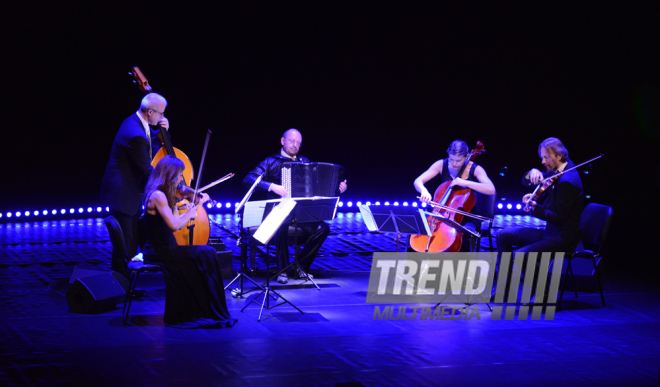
pixel 379 87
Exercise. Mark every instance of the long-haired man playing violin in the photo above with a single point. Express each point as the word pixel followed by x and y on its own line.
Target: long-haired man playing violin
pixel 560 206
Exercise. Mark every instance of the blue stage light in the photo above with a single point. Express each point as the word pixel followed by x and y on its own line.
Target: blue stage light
pixel 340 204
pixel 99 209
pixel 228 205
pixel 508 206
pixel 1 215
pixel 209 205
pixel 518 206
pixel 414 204
pixel 378 203
pixel 62 211
pixel 424 205
pixel 44 212
pixel 218 205
pixel 236 204
pixel 54 212
pixel 499 205
pixel 27 213
pixel 349 204
pixel 18 214
pixel 9 215
pixel 72 210
pixel 405 204
pixel 396 203
pixel 358 204
pixel 81 210
pixel 90 209
pixel 368 203
pixel 107 209
pixel 387 203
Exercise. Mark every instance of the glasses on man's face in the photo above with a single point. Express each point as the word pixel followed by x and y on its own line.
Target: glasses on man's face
pixel 294 142
pixel 155 111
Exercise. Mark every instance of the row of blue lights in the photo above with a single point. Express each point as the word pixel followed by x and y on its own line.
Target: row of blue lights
pixel 340 204
pixel 350 204
pixel 63 211
pixel 227 205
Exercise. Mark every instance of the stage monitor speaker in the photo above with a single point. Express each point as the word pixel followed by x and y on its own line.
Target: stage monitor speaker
pixel 95 293
pixel 82 272
pixel 217 244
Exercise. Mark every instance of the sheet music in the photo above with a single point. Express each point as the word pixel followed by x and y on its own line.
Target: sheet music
pixel 274 220
pixel 368 217
pixel 253 214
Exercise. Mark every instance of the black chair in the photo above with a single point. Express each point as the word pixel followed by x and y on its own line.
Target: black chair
pixel 120 254
pixel 595 222
pixel 485 207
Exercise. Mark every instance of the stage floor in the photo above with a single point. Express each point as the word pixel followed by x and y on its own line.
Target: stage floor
pixel 335 341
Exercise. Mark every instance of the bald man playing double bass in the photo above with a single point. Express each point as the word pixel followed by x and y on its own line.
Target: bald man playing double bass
pixel 129 168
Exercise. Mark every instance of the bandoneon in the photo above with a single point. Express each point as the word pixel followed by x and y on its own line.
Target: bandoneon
pixel 304 180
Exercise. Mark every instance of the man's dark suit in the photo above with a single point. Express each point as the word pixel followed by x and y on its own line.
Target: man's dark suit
pixel 561 210
pixel 124 180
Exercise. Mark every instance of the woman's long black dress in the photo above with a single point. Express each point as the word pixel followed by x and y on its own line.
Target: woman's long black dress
pixel 194 291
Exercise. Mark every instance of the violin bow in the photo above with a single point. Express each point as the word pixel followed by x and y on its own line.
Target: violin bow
pixel 220 180
pixel 438 205
pixel 570 169
pixel 201 164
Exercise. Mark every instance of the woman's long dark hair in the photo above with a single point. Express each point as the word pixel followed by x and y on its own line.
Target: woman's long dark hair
pixel 164 178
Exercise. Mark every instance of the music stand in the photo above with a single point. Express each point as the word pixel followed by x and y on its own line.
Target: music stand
pixel 254 215
pixel 239 289
pixel 309 210
pixel 400 220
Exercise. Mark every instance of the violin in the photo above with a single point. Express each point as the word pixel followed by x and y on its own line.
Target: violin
pixel 450 203
pixel 186 193
pixel 548 182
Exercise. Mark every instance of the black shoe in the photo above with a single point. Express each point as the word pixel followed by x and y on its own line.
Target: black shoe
pixel 283 278
pixel 300 274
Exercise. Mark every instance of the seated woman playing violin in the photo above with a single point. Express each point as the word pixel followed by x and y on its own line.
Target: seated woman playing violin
pixel 194 295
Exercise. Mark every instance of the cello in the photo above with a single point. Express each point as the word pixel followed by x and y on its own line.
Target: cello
pixel 451 203
pixel 201 225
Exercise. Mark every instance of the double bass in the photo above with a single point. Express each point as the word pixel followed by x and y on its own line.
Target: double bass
pixel 451 203
pixel 200 225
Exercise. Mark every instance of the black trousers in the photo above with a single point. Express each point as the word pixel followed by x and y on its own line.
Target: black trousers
pixel 129 227
pixel 317 231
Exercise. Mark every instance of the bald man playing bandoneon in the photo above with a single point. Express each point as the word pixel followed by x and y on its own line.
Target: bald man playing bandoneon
pixel 271 168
